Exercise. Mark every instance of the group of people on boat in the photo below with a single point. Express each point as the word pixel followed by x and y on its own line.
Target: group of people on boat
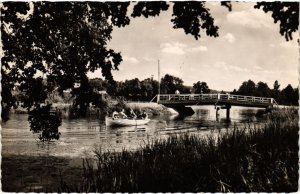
pixel 131 115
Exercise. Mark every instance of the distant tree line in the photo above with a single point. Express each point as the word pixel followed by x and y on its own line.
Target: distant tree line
pixel 133 89
pixel 145 90
pixel 286 96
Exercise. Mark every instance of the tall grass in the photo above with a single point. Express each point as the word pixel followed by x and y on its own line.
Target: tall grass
pixel 150 107
pixel 261 159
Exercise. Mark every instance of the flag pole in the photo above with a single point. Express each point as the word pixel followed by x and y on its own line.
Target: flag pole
pixel 158 78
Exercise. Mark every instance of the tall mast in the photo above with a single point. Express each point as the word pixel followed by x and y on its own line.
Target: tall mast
pixel 158 78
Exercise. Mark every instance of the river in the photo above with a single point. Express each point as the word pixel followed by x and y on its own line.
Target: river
pixel 79 137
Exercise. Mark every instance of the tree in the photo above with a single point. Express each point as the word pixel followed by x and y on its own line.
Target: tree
pixel 120 88
pixel 296 97
pixel 201 87
pixel 234 92
pixel 8 100
pixel 132 89
pixel 263 90
pixel 149 88
pixel 44 122
pixel 287 13
pixel 290 96
pixel 61 41
pixel 276 86
pixel 247 88
pixel 97 84
pixel 169 84
pixel 65 40
pixel 276 91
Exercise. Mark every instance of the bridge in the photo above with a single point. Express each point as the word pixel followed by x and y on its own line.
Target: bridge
pixel 181 102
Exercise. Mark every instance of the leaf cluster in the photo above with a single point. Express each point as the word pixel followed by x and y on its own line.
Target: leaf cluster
pixel 193 16
pixel 45 123
pixel 286 13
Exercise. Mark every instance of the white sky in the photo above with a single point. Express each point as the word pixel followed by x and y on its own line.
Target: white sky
pixel 249 46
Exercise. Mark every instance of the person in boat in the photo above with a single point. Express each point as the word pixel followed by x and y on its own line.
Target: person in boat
pixel 145 115
pixel 122 114
pixel 132 114
pixel 140 115
pixel 115 115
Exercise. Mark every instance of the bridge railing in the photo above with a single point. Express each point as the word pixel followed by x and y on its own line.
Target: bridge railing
pixel 214 97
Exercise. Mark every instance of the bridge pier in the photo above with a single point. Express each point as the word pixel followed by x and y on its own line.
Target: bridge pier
pixel 227 107
pixel 217 113
pixel 217 110
pixel 228 112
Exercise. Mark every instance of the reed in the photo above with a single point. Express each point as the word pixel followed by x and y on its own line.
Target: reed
pixel 257 159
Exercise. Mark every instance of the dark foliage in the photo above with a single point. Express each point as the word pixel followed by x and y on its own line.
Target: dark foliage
pixel 262 89
pixel 286 13
pixel 201 87
pixel 247 88
pixel 227 4
pixel 193 16
pixel 287 96
pixel 149 8
pixel 169 84
pixel 7 100
pixel 134 89
pixel 35 92
pixel 60 42
pixel 44 122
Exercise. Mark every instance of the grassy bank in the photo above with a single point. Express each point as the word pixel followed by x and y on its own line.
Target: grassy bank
pixel 151 108
pixel 258 160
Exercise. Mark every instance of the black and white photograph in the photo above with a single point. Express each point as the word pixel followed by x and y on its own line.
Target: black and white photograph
pixel 149 96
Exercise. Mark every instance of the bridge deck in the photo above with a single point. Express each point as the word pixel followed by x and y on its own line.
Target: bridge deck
pixel 214 99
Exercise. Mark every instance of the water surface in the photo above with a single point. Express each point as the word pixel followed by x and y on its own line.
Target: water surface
pixel 79 137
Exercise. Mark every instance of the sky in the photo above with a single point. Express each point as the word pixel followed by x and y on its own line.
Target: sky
pixel 249 46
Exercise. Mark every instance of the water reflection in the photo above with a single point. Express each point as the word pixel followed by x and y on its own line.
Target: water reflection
pixel 79 137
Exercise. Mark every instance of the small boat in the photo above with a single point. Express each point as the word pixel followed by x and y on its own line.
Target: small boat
pixel 109 121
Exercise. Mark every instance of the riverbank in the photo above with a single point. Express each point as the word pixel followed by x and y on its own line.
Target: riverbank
pixel 151 108
pixel 64 109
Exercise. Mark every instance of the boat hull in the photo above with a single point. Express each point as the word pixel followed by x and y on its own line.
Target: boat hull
pixel 125 122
